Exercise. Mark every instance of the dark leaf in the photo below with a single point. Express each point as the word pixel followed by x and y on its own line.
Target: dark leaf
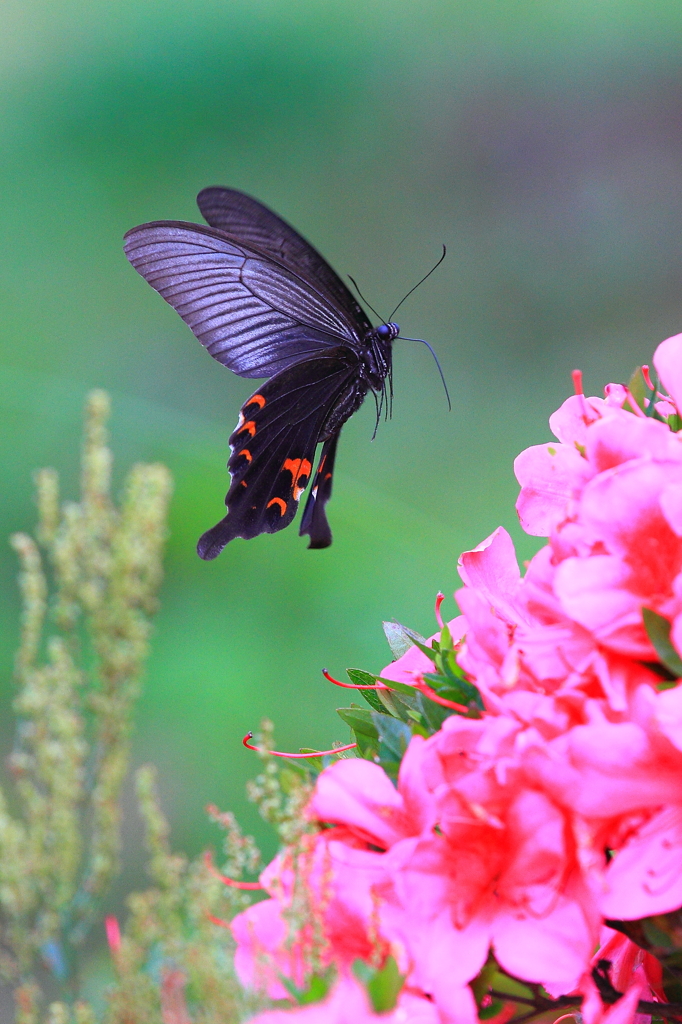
pixel 658 631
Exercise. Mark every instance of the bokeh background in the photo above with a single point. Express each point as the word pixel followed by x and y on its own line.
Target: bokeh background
pixel 541 140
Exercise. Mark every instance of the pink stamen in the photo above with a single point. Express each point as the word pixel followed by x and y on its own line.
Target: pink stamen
pixel 439 600
pixel 424 688
pixel 280 753
pixel 353 686
pixel 113 933
pixel 633 404
pixel 647 377
pixel 208 861
pixel 565 1017
pixel 577 376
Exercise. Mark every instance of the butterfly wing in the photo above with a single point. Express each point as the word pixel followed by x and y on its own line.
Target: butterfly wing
pixel 254 315
pixel 314 519
pixel 273 446
pixel 246 220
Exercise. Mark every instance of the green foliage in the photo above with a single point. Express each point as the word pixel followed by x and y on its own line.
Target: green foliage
pixel 175 957
pixel 401 710
pixel 83 646
pixel 89 583
pixel 383 983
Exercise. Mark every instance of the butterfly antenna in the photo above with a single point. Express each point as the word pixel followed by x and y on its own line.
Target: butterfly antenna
pixel 422 342
pixel 434 267
pixel 363 299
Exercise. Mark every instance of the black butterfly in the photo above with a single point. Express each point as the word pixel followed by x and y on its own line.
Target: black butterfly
pixel 265 303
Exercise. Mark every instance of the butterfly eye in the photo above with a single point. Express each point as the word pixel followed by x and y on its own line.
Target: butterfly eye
pixel 383 331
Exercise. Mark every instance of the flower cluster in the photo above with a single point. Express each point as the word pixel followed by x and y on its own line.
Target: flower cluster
pixel 515 833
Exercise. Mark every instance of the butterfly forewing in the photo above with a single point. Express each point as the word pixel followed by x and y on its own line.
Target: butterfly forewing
pixel 247 220
pixel 251 314
pixel 273 446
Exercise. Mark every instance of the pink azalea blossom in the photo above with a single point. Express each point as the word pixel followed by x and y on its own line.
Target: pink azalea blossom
pixel 342 867
pixel 347 1003
pixel 500 870
pixel 523 830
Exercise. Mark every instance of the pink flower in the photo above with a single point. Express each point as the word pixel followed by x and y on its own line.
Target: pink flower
pixel 526 655
pixel 500 869
pixel 347 1003
pixel 609 495
pixel 622 783
pixel 342 868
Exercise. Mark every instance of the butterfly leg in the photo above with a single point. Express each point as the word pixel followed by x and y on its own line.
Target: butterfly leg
pixel 314 520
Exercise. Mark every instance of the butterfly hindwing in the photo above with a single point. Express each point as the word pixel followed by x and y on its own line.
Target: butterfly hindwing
pixel 314 519
pixel 252 314
pixel 273 446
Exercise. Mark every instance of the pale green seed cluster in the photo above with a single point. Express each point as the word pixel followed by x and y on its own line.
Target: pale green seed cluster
pixel 89 583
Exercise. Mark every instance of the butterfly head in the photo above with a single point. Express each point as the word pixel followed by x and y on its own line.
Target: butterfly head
pixel 388 332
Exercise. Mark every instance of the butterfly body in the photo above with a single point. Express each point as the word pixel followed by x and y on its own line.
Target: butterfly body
pixel 266 304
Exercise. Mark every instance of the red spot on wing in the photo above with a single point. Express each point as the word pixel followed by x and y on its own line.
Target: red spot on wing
pixel 248 425
pixel 300 471
pixel 255 400
pixel 246 453
pixel 280 502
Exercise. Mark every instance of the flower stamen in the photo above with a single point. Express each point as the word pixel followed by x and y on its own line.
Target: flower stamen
pixel 280 753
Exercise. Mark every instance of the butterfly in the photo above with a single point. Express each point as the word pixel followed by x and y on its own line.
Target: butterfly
pixel 265 303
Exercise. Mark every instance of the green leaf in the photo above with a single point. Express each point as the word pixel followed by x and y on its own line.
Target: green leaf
pixel 434 714
pixel 318 987
pixel 459 690
pixel 374 700
pixel 397 637
pixel 362 678
pixel 359 720
pixel 637 387
pixel 383 986
pixel 658 631
pixel 486 1012
pixel 359 677
pixel 394 737
pixel 405 688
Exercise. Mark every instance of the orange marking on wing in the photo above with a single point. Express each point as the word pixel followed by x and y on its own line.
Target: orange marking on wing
pixel 327 476
pixel 246 453
pixel 299 469
pixel 255 400
pixel 250 426
pixel 278 501
pixel 243 483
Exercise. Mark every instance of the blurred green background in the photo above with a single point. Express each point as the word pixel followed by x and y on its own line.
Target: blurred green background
pixel 539 139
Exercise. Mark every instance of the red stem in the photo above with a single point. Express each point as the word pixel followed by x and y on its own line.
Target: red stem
pixel 280 753
pixel 353 686
pixel 432 695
